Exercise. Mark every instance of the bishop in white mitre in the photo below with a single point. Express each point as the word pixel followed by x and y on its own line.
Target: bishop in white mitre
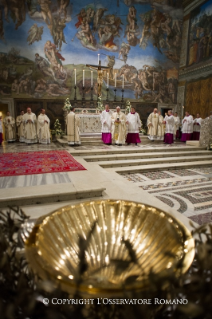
pixel 20 126
pixel 197 127
pixel 106 125
pixel 161 127
pixel 152 124
pixel 187 127
pixel 134 126
pixel 43 125
pixel 73 132
pixel 30 122
pixel 9 124
pixel 118 127
pixel 169 130
pixel 176 126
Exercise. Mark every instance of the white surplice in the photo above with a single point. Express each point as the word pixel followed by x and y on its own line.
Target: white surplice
pixel 197 124
pixel 20 126
pixel 30 134
pixel 170 124
pixel 134 123
pixel 9 124
pixel 187 126
pixel 105 118
pixel 43 129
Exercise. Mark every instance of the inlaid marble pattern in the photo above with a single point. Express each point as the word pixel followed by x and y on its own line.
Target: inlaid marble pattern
pixel 202 218
pixel 174 184
pixel 204 170
pixel 34 180
pixel 134 177
pixel 183 172
pixel 153 175
pixel 22 147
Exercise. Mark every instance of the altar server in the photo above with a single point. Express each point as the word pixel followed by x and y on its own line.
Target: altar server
pixel 176 126
pixel 20 126
pixel 73 133
pixel 134 126
pixel 43 128
pixel 152 123
pixel 187 128
pixel 30 122
pixel 197 127
pixel 169 130
pixel 1 130
pixel 106 125
pixel 118 127
pixel 9 124
pixel 161 127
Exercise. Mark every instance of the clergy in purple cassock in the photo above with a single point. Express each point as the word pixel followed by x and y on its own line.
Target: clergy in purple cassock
pixel 169 130
pixel 187 128
pixel 134 126
pixel 197 127
pixel 106 125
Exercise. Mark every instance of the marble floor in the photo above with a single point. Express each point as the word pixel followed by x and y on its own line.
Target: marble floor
pixel 185 193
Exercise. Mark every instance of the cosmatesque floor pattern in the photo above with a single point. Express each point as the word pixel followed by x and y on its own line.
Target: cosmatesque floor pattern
pixel 189 191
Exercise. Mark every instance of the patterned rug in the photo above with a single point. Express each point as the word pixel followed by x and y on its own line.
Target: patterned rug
pixel 28 163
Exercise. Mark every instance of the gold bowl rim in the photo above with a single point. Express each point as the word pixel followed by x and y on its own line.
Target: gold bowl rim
pixel 68 285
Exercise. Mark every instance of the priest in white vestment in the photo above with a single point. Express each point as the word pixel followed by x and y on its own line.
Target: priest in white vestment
pixel 73 133
pixel 176 126
pixel 134 126
pixel 187 128
pixel 152 124
pixel 197 127
pixel 43 126
pixel 118 127
pixel 30 131
pixel 20 126
pixel 1 130
pixel 161 127
pixel 106 125
pixel 169 130
pixel 9 124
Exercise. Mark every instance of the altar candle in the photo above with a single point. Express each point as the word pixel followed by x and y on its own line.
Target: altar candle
pixel 123 81
pixel 91 78
pixel 83 79
pixel 115 80
pixel 98 58
pixel 75 76
pixel 107 80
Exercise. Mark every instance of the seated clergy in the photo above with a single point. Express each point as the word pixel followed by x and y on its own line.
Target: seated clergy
pixel 9 124
pixel 20 126
pixel 197 127
pixel 73 133
pixel 134 126
pixel 169 130
pixel 106 125
pixel 30 132
pixel 43 128
pixel 118 127
pixel 187 127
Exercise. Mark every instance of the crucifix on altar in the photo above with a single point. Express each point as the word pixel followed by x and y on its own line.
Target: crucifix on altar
pixel 99 68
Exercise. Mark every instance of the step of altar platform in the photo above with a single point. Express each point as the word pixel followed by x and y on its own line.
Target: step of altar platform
pixel 97 140
pixel 148 155
pixel 23 196
pixel 135 150
pixel 160 167
pixel 152 161
pixel 193 143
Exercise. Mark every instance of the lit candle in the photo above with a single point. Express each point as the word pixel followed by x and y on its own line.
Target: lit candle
pixel 98 58
pixel 123 81
pixel 75 75
pixel 107 80
pixel 115 80
pixel 83 79
pixel 91 78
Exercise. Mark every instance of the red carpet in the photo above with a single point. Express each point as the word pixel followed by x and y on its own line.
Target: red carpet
pixel 27 163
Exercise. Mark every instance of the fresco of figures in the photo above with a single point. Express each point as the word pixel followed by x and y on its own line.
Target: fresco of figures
pixel 43 42
pixel 200 34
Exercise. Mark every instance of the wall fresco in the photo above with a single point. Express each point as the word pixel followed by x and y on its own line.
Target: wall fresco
pixel 42 42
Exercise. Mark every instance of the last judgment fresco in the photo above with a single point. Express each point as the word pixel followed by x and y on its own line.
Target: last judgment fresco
pixel 46 44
